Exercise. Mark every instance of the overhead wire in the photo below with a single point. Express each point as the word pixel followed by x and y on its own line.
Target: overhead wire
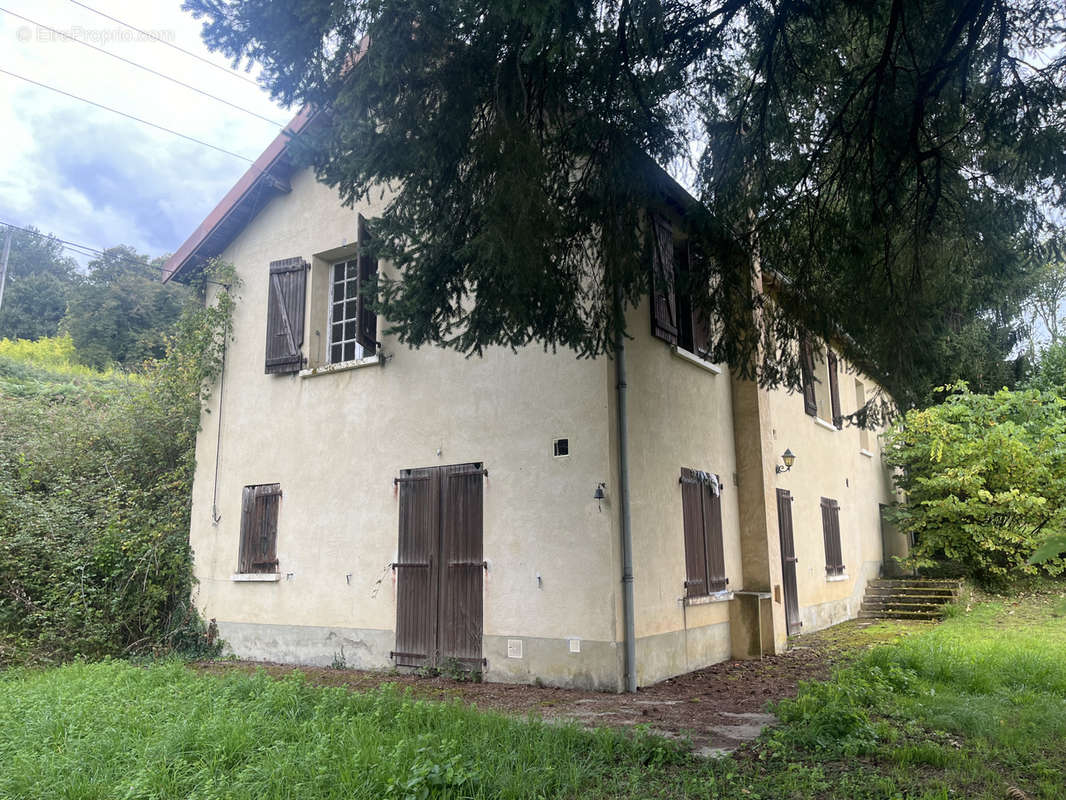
pixel 128 116
pixel 132 63
pixel 161 40
pixel 87 250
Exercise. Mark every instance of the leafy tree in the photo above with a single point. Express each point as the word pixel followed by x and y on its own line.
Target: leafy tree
pixel 985 478
pixel 894 161
pixel 1047 303
pixel 39 280
pixel 121 312
pixel 1049 372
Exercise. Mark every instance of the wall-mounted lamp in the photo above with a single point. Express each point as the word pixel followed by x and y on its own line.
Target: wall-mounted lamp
pixel 789 458
pixel 600 494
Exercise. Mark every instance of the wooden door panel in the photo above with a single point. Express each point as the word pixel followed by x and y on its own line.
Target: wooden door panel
pixel 462 562
pixel 788 560
pixel 417 567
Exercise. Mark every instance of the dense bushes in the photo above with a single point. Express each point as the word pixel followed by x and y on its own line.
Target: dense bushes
pixel 985 477
pixel 95 478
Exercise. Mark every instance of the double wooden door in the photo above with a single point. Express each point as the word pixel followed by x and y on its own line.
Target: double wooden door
pixel 440 566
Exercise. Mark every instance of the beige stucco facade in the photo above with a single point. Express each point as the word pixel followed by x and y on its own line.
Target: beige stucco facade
pixel 334 439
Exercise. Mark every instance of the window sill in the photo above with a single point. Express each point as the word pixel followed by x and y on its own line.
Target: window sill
pixel 341 366
pixel 707 599
pixel 695 360
pixel 255 577
pixel 829 426
pixel 866 453
pixel 837 578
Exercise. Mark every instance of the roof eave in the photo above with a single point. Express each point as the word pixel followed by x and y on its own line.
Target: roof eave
pixel 268 175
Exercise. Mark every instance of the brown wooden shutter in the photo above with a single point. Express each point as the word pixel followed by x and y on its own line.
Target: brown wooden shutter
pixel 367 333
pixel 712 538
pixel 259 528
pixel 834 390
pixel 810 402
pixel 834 560
pixel 664 298
pixel 285 315
pixel 462 563
pixel 695 550
pixel 701 326
pixel 416 568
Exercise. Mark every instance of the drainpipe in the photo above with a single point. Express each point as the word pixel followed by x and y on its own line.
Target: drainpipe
pixel 628 624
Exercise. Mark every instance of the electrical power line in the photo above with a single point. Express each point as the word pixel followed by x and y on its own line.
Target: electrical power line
pixel 168 44
pixel 85 250
pixel 129 116
pixel 143 67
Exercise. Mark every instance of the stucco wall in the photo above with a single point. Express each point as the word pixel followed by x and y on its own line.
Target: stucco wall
pixel 680 415
pixel 830 463
pixel 335 441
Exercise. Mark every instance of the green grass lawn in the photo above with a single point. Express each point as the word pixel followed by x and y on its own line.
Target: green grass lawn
pixel 962 710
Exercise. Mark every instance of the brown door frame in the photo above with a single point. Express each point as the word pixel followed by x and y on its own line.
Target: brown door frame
pixel 788 561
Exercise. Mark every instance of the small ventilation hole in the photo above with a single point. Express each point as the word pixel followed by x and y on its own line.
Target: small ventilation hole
pixel 561 447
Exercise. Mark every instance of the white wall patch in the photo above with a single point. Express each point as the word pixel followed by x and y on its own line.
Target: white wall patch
pixel 514 648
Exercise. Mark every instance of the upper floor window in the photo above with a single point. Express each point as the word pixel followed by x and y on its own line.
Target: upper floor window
pixel 860 403
pixel 344 312
pixel 821 388
pixel 675 316
pixel 343 324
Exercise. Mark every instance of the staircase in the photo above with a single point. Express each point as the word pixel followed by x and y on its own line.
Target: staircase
pixel 908 598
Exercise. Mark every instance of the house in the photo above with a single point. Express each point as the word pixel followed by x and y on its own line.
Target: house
pixel 357 500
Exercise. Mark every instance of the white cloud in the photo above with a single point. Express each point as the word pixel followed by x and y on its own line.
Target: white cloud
pixel 91 176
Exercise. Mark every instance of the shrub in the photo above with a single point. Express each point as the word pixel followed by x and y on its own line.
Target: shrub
pixel 95 483
pixel 985 478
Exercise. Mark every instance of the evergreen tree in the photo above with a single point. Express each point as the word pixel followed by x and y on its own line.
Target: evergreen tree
pixel 892 162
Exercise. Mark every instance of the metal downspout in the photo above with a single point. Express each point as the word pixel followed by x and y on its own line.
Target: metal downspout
pixel 628 623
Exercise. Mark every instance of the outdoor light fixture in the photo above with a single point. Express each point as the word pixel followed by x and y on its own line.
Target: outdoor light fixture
pixel 789 458
pixel 599 494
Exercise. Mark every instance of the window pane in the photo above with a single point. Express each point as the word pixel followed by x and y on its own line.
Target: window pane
pixel 349 351
pixel 353 270
pixel 335 354
pixel 337 333
pixel 338 273
pixel 349 309
pixel 349 330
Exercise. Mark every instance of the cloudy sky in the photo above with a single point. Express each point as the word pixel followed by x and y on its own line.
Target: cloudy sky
pixel 91 176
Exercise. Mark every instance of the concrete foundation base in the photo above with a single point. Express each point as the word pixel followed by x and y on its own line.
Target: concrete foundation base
pixel 665 655
pixel 823 615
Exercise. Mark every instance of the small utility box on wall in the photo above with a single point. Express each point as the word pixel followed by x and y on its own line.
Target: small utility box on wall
pixel 751 626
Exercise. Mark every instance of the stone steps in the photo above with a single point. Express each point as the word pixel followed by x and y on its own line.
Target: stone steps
pixel 937 598
pixel 908 598
pixel 915 615
pixel 915 583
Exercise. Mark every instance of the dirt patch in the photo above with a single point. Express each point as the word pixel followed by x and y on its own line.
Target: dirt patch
pixel 716 708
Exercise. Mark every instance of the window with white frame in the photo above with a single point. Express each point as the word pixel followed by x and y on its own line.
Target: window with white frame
pixel 343 312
